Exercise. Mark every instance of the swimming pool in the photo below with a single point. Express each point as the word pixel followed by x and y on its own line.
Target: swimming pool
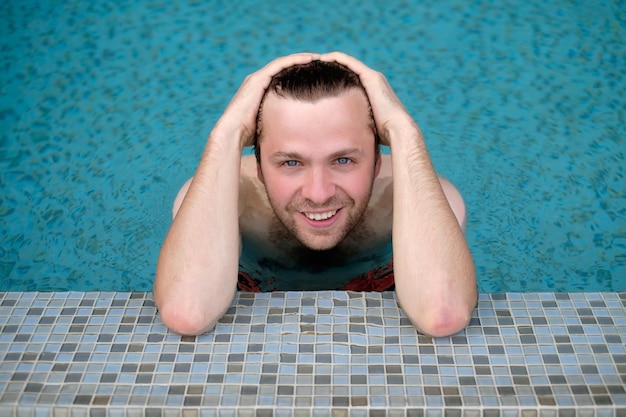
pixel 105 108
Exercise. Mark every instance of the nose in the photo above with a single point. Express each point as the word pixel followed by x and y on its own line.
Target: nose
pixel 319 186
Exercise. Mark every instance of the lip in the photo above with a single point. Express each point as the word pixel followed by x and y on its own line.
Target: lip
pixel 322 224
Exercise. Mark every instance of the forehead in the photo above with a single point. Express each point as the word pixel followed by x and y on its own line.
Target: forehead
pixel 288 122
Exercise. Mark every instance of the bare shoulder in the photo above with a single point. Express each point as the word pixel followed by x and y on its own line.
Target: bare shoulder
pixel 383 191
pixel 255 211
pixel 455 199
pixel 252 195
pixel 180 197
pixel 251 192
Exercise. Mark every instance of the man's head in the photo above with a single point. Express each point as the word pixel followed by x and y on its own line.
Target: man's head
pixel 317 151
pixel 311 83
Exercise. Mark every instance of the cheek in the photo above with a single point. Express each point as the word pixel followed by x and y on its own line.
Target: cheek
pixel 279 187
pixel 358 185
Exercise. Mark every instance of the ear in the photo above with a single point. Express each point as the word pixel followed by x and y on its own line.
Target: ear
pixel 259 172
pixel 379 163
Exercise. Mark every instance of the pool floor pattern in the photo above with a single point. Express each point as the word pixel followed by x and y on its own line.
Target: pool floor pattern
pixel 312 354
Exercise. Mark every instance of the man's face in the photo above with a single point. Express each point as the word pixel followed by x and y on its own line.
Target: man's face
pixel 318 164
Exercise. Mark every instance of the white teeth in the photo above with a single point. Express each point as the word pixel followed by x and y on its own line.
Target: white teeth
pixel 320 216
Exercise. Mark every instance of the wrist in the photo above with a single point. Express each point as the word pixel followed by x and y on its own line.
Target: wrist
pixel 231 137
pixel 399 135
pixel 220 149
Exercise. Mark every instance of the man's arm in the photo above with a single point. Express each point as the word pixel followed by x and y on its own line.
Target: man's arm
pixel 433 268
pixel 196 273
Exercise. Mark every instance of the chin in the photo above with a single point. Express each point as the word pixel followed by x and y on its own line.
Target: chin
pixel 322 248
pixel 317 245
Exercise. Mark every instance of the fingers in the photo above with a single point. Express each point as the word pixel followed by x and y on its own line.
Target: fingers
pixel 354 64
pixel 241 114
pixel 386 105
pixel 279 64
pixel 373 81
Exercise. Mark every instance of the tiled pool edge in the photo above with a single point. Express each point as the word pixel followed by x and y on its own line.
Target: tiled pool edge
pixel 308 354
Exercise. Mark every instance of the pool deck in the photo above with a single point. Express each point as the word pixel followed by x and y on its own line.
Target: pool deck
pixel 76 354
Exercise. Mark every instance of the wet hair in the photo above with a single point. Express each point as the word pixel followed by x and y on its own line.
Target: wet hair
pixel 312 82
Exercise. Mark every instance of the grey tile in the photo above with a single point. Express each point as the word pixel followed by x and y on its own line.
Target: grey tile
pixel 512 362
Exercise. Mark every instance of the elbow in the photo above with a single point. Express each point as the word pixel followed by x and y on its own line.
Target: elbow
pixel 445 323
pixel 443 318
pixel 444 310
pixel 186 310
pixel 186 324
pixel 184 319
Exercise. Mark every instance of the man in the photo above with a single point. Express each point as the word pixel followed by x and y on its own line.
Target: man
pixel 319 199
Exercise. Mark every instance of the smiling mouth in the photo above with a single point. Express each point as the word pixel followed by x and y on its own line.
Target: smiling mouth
pixel 320 216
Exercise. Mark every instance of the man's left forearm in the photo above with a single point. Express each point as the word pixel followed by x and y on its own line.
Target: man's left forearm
pixel 433 267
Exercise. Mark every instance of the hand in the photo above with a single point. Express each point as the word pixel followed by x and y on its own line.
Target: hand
pixel 389 113
pixel 240 116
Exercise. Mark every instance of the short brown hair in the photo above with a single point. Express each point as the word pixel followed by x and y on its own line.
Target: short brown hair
pixel 312 82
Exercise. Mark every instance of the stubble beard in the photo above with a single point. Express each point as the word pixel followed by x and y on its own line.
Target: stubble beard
pixel 285 233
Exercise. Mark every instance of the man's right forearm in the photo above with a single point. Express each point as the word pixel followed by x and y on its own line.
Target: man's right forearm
pixel 197 268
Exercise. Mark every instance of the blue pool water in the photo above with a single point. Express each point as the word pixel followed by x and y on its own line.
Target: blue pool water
pixel 105 108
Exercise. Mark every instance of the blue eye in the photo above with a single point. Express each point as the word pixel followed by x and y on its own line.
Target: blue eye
pixel 290 163
pixel 343 161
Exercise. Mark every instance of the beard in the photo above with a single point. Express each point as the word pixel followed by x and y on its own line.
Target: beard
pixel 287 234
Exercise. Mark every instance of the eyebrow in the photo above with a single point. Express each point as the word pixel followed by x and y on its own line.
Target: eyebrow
pixel 283 156
pixel 347 152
